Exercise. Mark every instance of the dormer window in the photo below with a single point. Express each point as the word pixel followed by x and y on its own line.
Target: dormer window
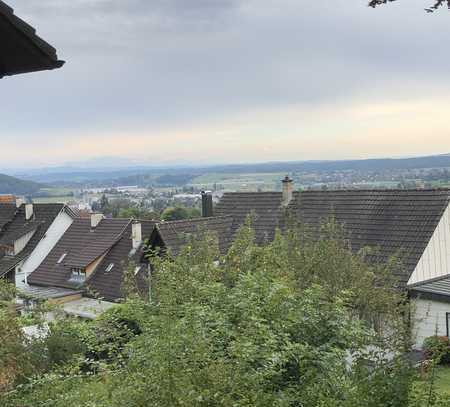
pixel 61 259
pixel 109 268
pixel 78 275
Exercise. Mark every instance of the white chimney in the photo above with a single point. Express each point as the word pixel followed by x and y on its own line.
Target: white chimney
pixel 19 202
pixel 288 190
pixel 136 234
pixel 96 218
pixel 29 211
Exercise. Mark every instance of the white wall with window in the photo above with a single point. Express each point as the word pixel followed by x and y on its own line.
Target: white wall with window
pixel 429 318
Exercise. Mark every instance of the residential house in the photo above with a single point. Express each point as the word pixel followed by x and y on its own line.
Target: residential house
pixel 21 50
pixel 90 260
pixel 411 224
pixel 27 234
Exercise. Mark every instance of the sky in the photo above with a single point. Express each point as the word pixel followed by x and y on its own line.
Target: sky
pixel 173 82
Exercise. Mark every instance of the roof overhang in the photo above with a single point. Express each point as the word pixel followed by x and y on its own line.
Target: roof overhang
pixel 21 50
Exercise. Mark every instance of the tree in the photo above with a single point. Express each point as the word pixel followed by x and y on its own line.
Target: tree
pixel 436 5
pixel 290 323
pixel 179 213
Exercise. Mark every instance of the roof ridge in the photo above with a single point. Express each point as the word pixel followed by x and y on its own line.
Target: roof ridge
pixel 174 222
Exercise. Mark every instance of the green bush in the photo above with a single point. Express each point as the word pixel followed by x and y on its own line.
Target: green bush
pixel 437 348
pixel 66 340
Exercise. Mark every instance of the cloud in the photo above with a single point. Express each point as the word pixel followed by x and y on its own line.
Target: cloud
pixel 152 67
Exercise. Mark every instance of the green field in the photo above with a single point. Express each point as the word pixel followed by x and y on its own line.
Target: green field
pixel 236 182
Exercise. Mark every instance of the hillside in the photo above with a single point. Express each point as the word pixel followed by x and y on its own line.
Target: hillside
pixel 11 185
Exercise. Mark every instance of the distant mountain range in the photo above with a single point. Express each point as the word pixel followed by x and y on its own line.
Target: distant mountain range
pixel 135 174
pixel 12 185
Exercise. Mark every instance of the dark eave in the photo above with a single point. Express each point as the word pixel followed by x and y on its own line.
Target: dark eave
pixel 21 50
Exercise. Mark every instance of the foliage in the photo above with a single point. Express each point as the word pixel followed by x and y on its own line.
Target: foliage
pixel 179 213
pixel 437 347
pixel 290 323
pixel 437 4
pixel 124 208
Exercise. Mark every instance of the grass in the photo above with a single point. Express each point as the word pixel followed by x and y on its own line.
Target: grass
pixel 443 380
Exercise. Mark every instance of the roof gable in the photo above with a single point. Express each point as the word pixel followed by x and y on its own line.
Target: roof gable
pixel 44 215
pixel 435 260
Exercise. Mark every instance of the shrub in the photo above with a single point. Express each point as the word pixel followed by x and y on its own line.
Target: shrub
pixel 437 348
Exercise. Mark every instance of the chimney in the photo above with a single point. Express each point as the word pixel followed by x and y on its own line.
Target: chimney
pixel 207 204
pixel 96 218
pixel 19 202
pixel 29 211
pixel 288 189
pixel 136 234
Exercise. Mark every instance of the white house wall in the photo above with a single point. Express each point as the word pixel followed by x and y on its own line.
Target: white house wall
pixel 435 261
pixel 429 319
pixel 20 243
pixel 56 230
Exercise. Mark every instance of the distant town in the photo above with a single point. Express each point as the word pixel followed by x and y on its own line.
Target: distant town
pixel 148 192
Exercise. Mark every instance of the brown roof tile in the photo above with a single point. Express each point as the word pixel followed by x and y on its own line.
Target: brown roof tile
pixel 81 245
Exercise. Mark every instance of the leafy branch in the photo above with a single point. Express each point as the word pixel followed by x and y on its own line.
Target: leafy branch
pixel 431 9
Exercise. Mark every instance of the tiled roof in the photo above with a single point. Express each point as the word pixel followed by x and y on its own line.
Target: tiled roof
pixel 7 199
pixel 44 215
pixel 7 212
pixel 82 246
pixel 10 237
pixel 45 293
pixel 175 234
pixel 108 284
pixel 390 220
pixel 21 50
pixel 265 207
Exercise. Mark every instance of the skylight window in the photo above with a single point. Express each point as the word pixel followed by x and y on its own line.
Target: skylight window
pixel 61 259
pixel 109 268
pixel 137 270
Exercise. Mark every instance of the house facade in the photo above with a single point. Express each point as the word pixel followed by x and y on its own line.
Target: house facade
pixel 27 234
pixel 90 260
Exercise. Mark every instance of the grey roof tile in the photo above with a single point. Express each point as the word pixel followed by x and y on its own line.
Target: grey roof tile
pixel 395 221
pixel 174 234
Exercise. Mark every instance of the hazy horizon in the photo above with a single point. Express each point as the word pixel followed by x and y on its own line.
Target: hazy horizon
pixel 229 81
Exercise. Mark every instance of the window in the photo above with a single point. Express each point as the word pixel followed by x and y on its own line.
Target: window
pixel 137 270
pixel 109 268
pixel 78 275
pixel 61 259
pixel 447 315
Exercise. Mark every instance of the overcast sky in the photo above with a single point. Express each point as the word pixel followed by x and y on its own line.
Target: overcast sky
pixel 213 81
